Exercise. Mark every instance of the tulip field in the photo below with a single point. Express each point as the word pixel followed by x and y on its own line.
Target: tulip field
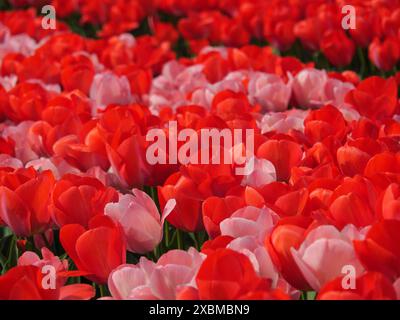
pixel 199 150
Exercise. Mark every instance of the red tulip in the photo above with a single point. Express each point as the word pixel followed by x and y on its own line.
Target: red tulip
pixel 324 122
pixel 24 202
pixel 337 47
pixel 380 250
pixel 216 209
pixel 95 251
pixel 283 154
pixel 77 199
pixel 228 275
pixel 353 157
pixel 354 202
pixel 367 26
pixel 26 101
pixel 25 283
pixel 369 286
pixel 187 212
pixel 374 97
pixel 383 169
pixel 386 54
pixel 124 130
pixel 288 233
pixel 77 72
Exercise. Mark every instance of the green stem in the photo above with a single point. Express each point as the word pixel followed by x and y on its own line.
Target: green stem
pixel 179 239
pixel 156 254
pixel 166 234
pixel 103 290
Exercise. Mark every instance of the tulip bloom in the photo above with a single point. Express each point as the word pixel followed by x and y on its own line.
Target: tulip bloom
pixel 109 89
pixel 369 286
pixel 139 217
pixel 217 209
pixel 153 281
pixel 24 202
pixel 288 233
pixel 324 252
pixel 380 251
pixel 77 199
pixel 249 221
pixel 77 72
pixel 374 97
pixel 324 122
pixel 229 275
pixel 283 154
pixel 385 54
pixel 25 283
pixel 270 92
pixel 187 213
pixel 338 48
pixel 95 251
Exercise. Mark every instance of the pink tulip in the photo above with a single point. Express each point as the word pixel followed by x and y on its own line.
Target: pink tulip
pixel 140 220
pixel 313 88
pixel 204 96
pixel 263 172
pixel 336 91
pixel 325 251
pixel 156 281
pixel 309 88
pixel 108 89
pixel 283 122
pixel 21 43
pixel 270 91
pixel 29 258
pixel 258 256
pixel 57 165
pixel 27 145
pixel 175 83
pixel 249 221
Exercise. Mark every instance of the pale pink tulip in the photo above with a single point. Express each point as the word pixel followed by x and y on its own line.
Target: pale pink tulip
pixel 336 91
pixel 57 165
pixel 309 88
pixel 156 281
pixel 31 258
pixel 258 256
pixel 140 220
pixel 174 84
pixel 283 122
pixel 263 172
pixel 313 88
pixel 204 95
pixel 325 251
pixel 108 88
pixel 48 259
pixel 249 221
pixel 270 91
pixel 28 146
pixel 20 43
